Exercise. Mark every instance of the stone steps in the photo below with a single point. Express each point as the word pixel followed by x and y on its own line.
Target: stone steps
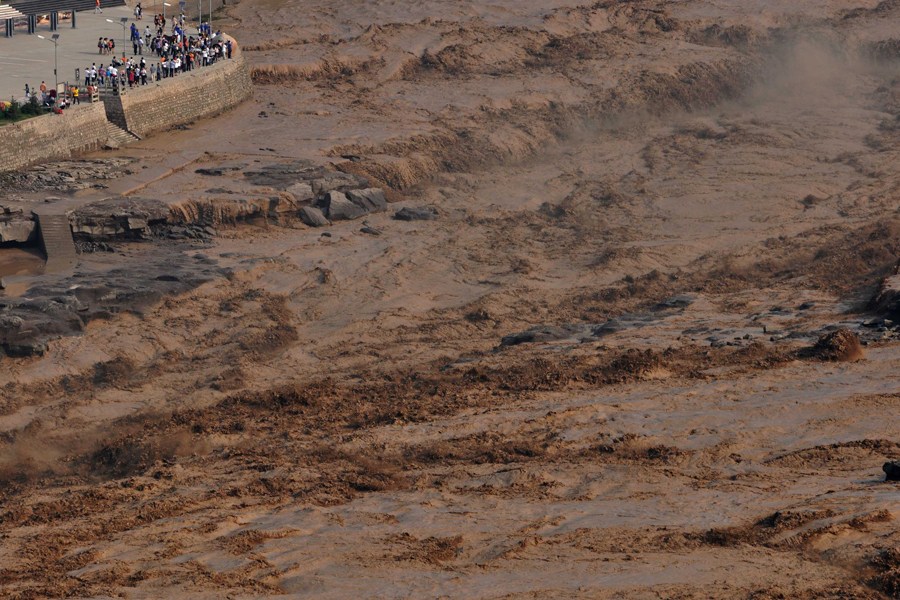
pixel 44 7
pixel 55 235
pixel 8 12
pixel 118 137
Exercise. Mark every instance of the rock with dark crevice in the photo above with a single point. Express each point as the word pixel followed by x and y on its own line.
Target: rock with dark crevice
pixel 543 333
pixel 62 306
pixel 338 207
pixel 370 199
pixel 302 192
pixel 891 470
pixel 131 218
pixel 886 301
pixel 17 226
pixel 416 213
pixel 312 216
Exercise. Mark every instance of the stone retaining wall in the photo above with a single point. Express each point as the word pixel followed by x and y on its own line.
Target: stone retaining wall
pixel 145 110
pixel 52 137
pixel 200 93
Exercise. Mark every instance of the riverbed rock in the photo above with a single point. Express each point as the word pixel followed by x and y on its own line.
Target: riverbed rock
pixel 416 213
pixel 118 218
pixel 312 216
pixel 891 470
pixel 338 207
pixel 542 333
pixel 56 307
pixel 370 199
pixel 302 192
pixel 16 226
pixel 886 301
pixel 336 180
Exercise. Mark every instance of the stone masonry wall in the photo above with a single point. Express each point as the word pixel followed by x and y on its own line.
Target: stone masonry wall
pixel 186 97
pixel 145 110
pixel 52 137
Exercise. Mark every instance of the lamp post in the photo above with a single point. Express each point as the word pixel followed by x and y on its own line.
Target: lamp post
pixel 165 4
pixel 55 39
pixel 123 21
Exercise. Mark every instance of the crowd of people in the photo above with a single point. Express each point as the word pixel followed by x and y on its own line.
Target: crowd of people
pixel 167 56
pixel 175 52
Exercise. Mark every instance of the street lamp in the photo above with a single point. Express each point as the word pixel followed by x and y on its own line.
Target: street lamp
pixel 55 39
pixel 123 21
pixel 165 4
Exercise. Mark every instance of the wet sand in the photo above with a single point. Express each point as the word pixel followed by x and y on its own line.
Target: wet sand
pixel 597 374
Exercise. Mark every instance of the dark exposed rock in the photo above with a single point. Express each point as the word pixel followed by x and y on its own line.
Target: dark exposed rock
pixel 370 199
pixel 336 180
pixel 891 470
pixel 543 333
pixel 64 175
pixel 61 306
pixel 17 226
pixel 680 301
pixel 118 218
pixel 88 246
pixel 312 216
pixel 887 300
pixel 611 326
pixel 338 207
pixel 302 192
pixel 416 213
pixel 284 175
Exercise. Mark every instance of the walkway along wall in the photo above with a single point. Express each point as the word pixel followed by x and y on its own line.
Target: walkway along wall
pixel 52 137
pixel 144 110
pixel 200 93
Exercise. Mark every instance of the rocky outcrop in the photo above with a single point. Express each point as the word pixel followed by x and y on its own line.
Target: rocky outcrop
pixel 891 470
pixel 313 217
pixel 886 301
pixel 338 207
pixel 16 226
pixel 370 199
pixel 118 218
pixel 302 192
pixel 62 306
pixel 416 213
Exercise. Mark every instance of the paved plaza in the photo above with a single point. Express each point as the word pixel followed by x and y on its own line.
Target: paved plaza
pixel 29 59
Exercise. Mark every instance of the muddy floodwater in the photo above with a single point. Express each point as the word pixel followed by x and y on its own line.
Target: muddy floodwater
pixel 497 299
pixel 18 268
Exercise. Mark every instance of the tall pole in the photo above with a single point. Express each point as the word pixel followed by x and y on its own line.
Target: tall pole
pixel 210 16
pixel 55 66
